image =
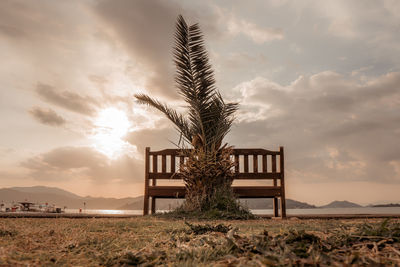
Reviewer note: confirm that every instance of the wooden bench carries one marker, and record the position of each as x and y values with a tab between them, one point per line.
250	164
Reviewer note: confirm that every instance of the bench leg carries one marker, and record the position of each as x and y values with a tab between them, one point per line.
146	206
153	205
283	207
275	204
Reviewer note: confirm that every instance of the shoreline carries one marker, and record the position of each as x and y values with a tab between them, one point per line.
289	217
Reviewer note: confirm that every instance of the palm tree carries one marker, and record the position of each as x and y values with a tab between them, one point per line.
207	173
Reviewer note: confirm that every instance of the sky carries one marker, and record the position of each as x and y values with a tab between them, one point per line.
321	78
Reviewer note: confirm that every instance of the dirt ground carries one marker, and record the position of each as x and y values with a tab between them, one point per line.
149	241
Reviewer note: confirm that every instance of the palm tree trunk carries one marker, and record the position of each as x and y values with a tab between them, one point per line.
208	178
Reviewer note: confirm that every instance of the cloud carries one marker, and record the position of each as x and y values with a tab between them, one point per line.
18	16
67	163
68	100
315	115
145	28
258	34
234	24
240	60
155	138
372	24
149	38
342	28
47	116
30	29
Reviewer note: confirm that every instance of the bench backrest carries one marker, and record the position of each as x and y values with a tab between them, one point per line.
254	163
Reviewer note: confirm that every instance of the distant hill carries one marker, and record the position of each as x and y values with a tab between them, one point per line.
61	198
293	204
341	204
45	190
386	205
8	195
254	203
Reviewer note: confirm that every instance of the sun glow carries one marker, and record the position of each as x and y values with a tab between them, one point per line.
111	126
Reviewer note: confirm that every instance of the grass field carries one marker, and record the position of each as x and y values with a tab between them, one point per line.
155	241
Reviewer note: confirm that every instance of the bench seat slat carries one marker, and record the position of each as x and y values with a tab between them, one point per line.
256	191
169	151
236	151
254	151
240	191
238	176
167	191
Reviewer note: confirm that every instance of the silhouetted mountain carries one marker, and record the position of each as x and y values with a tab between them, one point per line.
45	190
341	204
268	204
8	195
61	198
386	205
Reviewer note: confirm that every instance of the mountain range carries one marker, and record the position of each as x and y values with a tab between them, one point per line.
341	204
61	198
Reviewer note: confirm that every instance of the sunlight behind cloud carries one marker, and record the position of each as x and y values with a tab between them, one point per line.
111	125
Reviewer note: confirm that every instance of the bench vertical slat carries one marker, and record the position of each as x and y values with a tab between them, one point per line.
264	163
164	163
181	161
282	169
153	205
173	163
274	167
246	163
146	182
154	183
275	184
155	163
255	163
236	163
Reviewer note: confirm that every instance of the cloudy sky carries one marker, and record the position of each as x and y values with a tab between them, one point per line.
321	78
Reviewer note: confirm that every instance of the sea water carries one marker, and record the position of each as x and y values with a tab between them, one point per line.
315	211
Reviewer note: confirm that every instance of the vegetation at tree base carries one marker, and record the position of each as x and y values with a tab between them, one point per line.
237	212
208	171
200	229
150	241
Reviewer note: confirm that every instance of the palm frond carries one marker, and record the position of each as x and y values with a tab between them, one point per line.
200	90
204	79
180	122
209	118
219	120
201	68
184	76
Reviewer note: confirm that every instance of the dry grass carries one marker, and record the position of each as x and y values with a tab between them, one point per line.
152	241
